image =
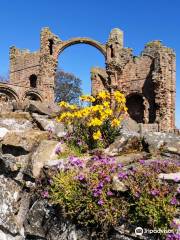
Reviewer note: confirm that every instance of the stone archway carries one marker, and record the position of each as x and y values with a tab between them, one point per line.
135	105
92	43
64	44
51	48
33	96
8	93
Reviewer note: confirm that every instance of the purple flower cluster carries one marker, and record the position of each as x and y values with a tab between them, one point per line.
97	191
100	202
173	236
137	194
80	177
174	201
109	193
122	175
120	165
45	194
175	225
76	162
58	149
176	179
141	161
154	192
103	168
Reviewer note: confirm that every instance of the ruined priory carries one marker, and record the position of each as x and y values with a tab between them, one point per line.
148	80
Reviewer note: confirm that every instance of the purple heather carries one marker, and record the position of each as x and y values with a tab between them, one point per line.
122	175
142	161
80	177
100	202
154	192
45	194
107	179
173	236
174	201
58	149
109	193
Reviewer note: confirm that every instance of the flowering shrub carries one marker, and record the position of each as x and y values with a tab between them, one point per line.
155	201
86	193
95	125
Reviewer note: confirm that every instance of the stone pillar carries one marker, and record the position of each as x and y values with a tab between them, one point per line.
164	80
146	110
48	64
114	44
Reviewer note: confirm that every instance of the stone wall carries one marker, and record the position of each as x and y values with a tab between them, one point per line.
150	76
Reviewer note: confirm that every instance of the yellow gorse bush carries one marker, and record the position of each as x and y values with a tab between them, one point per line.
96	115
97	135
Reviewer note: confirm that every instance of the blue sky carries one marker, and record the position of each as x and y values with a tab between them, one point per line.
141	20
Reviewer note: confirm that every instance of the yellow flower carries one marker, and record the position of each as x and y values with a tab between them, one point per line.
125	108
78	114
115	122
95	122
72	107
103	95
106	104
108	112
63	104
119	97
85	111
97	135
87	98
96	108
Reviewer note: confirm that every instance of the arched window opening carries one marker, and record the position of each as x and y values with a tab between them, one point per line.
4	97
33	81
7	95
33	97
51	43
112	51
135	106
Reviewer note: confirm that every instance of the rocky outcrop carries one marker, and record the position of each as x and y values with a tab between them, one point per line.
46	152
48	124
26	140
29	144
167	144
41	108
127	142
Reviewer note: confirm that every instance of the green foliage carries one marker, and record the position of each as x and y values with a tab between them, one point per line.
152	198
85	192
155	212
67	87
86	197
109	133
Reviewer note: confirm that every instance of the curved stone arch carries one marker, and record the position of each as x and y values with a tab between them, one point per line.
129	94
64	44
10	92
34	94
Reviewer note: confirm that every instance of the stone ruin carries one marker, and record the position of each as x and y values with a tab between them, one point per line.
148	81
29	140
